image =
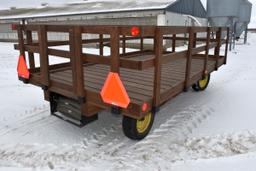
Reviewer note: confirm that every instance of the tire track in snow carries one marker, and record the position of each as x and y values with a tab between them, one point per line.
32	119
36	155
170	139
178	127
180	124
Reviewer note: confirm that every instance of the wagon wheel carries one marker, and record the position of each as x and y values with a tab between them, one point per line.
202	84
138	129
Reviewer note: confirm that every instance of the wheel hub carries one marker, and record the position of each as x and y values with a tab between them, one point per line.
144	123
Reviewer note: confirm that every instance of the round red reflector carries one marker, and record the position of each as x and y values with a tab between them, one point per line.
13	26
144	107
135	31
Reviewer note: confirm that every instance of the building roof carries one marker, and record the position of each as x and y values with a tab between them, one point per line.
190	7
86	7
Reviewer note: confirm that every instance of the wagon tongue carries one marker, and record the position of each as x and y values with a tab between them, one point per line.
22	69
113	91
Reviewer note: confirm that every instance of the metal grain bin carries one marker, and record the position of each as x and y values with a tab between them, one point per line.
245	11
244	17
219	12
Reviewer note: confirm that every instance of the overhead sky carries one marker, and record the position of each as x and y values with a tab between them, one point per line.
34	3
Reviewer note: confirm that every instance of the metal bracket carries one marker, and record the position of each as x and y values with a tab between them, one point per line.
116	110
24	80
81	100
155	109
44	87
53	104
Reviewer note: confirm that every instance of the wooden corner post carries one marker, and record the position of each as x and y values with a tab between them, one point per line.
114	43
208	39
44	58
75	38
158	47
217	48
21	40
31	57
226	47
189	58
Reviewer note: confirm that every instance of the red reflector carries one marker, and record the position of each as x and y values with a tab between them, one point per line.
135	31
144	107
13	26
113	91
22	68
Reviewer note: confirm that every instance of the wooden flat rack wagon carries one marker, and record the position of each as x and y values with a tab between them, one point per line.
134	84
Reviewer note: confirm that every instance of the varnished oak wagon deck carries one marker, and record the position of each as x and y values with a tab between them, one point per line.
139	84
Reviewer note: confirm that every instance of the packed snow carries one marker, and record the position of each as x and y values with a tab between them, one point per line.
210	130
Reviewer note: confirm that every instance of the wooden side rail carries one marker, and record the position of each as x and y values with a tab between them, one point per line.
117	37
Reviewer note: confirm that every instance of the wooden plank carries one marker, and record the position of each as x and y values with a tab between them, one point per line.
44	59
29	27
141	44
226	47
173	56
21	41
145	76
173	30
98	29
217	48
59	53
207	50
123	45
173	43
172	92
142	76
30	55
137	53
212	45
194	42
200	29
94	84
198	49
114	41
101	46
77	61
98	59
189	58
158	58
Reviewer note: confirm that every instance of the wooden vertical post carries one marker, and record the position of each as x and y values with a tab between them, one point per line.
189	58
194	42
226	48
30	55
124	44
158	46
44	59
101	44
141	44
217	48
174	43
21	40
114	43
77	62
208	39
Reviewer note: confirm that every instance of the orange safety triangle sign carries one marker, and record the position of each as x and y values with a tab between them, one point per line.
113	91
22	68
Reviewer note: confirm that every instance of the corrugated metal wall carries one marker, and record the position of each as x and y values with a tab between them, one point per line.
190	7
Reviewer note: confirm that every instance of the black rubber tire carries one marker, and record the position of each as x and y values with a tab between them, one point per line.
130	129
196	86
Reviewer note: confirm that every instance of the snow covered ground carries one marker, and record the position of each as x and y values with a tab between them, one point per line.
210	130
